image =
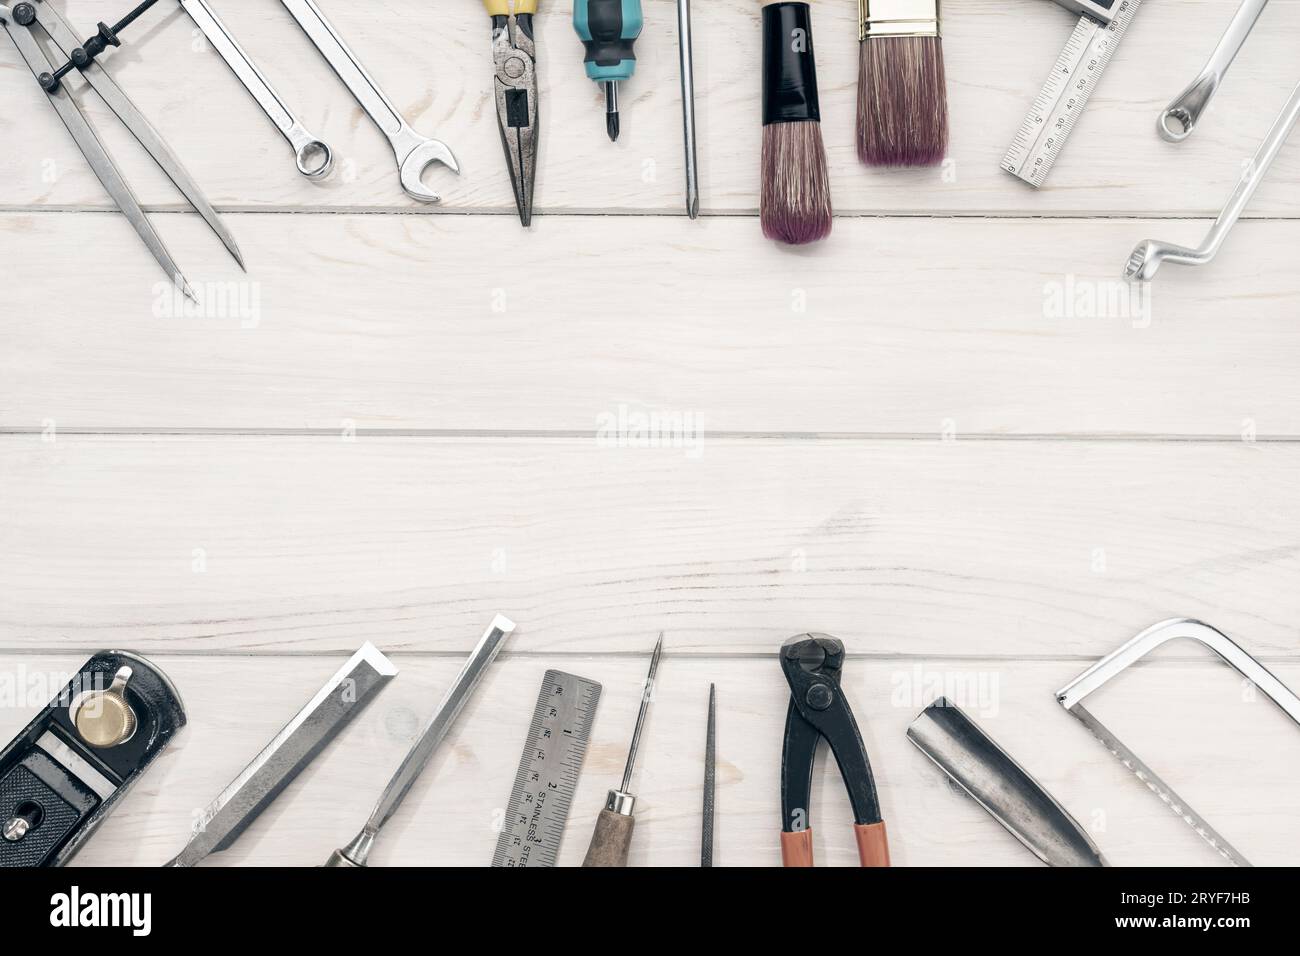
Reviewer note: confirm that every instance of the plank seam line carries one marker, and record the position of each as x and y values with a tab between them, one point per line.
639	655
725	435
503	212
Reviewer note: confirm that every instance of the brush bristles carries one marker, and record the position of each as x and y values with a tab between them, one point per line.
902	102
795	203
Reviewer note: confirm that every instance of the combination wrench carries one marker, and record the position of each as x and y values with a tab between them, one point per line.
1180	117
415	153
315	159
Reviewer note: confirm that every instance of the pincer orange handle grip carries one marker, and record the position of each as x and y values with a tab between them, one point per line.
796	848
873	845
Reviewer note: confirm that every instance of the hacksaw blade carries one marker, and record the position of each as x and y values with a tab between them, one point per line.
1060	102
1156	785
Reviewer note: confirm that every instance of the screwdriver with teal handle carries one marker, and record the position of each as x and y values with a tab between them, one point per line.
608	29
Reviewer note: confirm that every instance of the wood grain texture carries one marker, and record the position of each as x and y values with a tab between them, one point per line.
911	326
1240	776
432	60
921	436
309	545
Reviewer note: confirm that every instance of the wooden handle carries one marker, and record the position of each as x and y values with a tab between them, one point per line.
796	848
611	841
873	846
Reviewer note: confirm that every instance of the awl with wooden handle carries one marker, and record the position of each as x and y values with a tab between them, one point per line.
613	837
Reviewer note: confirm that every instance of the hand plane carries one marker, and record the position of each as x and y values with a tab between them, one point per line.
63	775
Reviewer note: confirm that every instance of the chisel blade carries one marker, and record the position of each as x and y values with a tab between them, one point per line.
1001	786
288	753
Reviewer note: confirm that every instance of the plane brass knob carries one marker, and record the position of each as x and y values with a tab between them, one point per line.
103	718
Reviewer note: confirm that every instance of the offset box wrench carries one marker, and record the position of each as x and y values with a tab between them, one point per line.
315	158
1180	117
1147	257
64	774
415	153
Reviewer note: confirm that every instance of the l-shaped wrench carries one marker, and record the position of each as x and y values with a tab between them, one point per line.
315	159
1146	258
415	153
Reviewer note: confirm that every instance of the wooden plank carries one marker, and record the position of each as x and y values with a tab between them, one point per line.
973	548
903	326
236	704
432	60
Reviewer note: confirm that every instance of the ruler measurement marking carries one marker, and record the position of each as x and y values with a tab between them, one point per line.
1058	105
552	761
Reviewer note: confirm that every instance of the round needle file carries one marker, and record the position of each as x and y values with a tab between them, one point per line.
710	779
613	836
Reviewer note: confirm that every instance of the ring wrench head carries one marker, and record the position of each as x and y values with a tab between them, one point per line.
423	155
315	159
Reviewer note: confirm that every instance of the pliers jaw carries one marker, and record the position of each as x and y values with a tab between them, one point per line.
812	664
514	58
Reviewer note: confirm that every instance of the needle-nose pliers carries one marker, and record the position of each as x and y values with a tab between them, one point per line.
812	664
514	59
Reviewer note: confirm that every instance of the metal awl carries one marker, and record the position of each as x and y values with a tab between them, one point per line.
612	839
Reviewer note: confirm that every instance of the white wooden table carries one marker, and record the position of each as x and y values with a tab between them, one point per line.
403	426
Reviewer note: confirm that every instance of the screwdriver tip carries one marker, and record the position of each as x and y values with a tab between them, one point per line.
611	126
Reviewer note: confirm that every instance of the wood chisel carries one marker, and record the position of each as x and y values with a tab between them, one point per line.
1076	73
68	769
993	779
357	852
613	836
296	745
548	771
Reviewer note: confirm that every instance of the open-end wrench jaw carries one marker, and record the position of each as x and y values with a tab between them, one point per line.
423	154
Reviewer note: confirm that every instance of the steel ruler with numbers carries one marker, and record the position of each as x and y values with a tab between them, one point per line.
1075	75
548	771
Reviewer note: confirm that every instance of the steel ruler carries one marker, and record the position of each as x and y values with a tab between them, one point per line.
1060	102
548	771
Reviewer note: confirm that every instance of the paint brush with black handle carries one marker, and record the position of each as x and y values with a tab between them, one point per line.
795	202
